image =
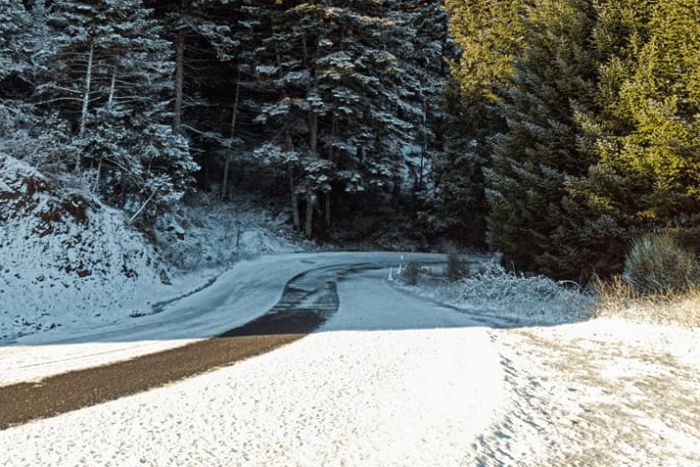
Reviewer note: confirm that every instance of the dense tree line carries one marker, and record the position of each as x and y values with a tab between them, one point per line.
139	94
593	132
554	131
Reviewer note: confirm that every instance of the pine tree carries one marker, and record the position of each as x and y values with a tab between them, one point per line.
487	35
247	34
23	135
533	161
663	100
597	203
191	25
110	73
645	136
15	35
341	101
425	56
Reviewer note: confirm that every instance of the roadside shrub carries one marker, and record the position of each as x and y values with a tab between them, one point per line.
411	273
657	264
457	267
527	300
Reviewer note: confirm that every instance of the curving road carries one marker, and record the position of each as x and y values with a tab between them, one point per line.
384	378
242	294
322	361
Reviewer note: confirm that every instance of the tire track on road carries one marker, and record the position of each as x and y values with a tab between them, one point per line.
307	301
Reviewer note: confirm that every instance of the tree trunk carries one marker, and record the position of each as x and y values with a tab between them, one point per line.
327	208
424	145
295	202
179	79
296	215
86	100
97	176
86	93
328	218
112	88
313	133
313	146
110	102
229	155
309	224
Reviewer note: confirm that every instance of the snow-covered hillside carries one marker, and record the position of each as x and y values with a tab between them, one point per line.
69	260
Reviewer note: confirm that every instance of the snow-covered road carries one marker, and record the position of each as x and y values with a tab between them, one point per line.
245	292
389	380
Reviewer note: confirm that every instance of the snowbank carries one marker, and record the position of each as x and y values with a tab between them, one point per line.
66	259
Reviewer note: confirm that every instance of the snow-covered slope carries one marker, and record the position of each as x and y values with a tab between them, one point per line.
208	233
64	257
67	260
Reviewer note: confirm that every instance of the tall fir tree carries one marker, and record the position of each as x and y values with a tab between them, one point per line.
554	78
192	25
645	135
110	73
487	35
597	203
15	37
343	103
426	58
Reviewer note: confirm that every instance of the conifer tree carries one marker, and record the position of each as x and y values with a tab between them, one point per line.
187	23
110	73
15	35
341	100
644	136
487	35
533	160
596	203
425	55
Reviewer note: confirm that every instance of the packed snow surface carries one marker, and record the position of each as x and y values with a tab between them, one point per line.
393	378
243	293
387	381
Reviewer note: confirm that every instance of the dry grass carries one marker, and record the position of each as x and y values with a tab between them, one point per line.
658	264
617	298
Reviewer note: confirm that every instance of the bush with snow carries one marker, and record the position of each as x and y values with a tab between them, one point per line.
411	273
660	284
524	300
457	268
207	233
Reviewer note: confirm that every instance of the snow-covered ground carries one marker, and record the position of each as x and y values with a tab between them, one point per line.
247	290
384	382
68	261
393	378
598	393
580	391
